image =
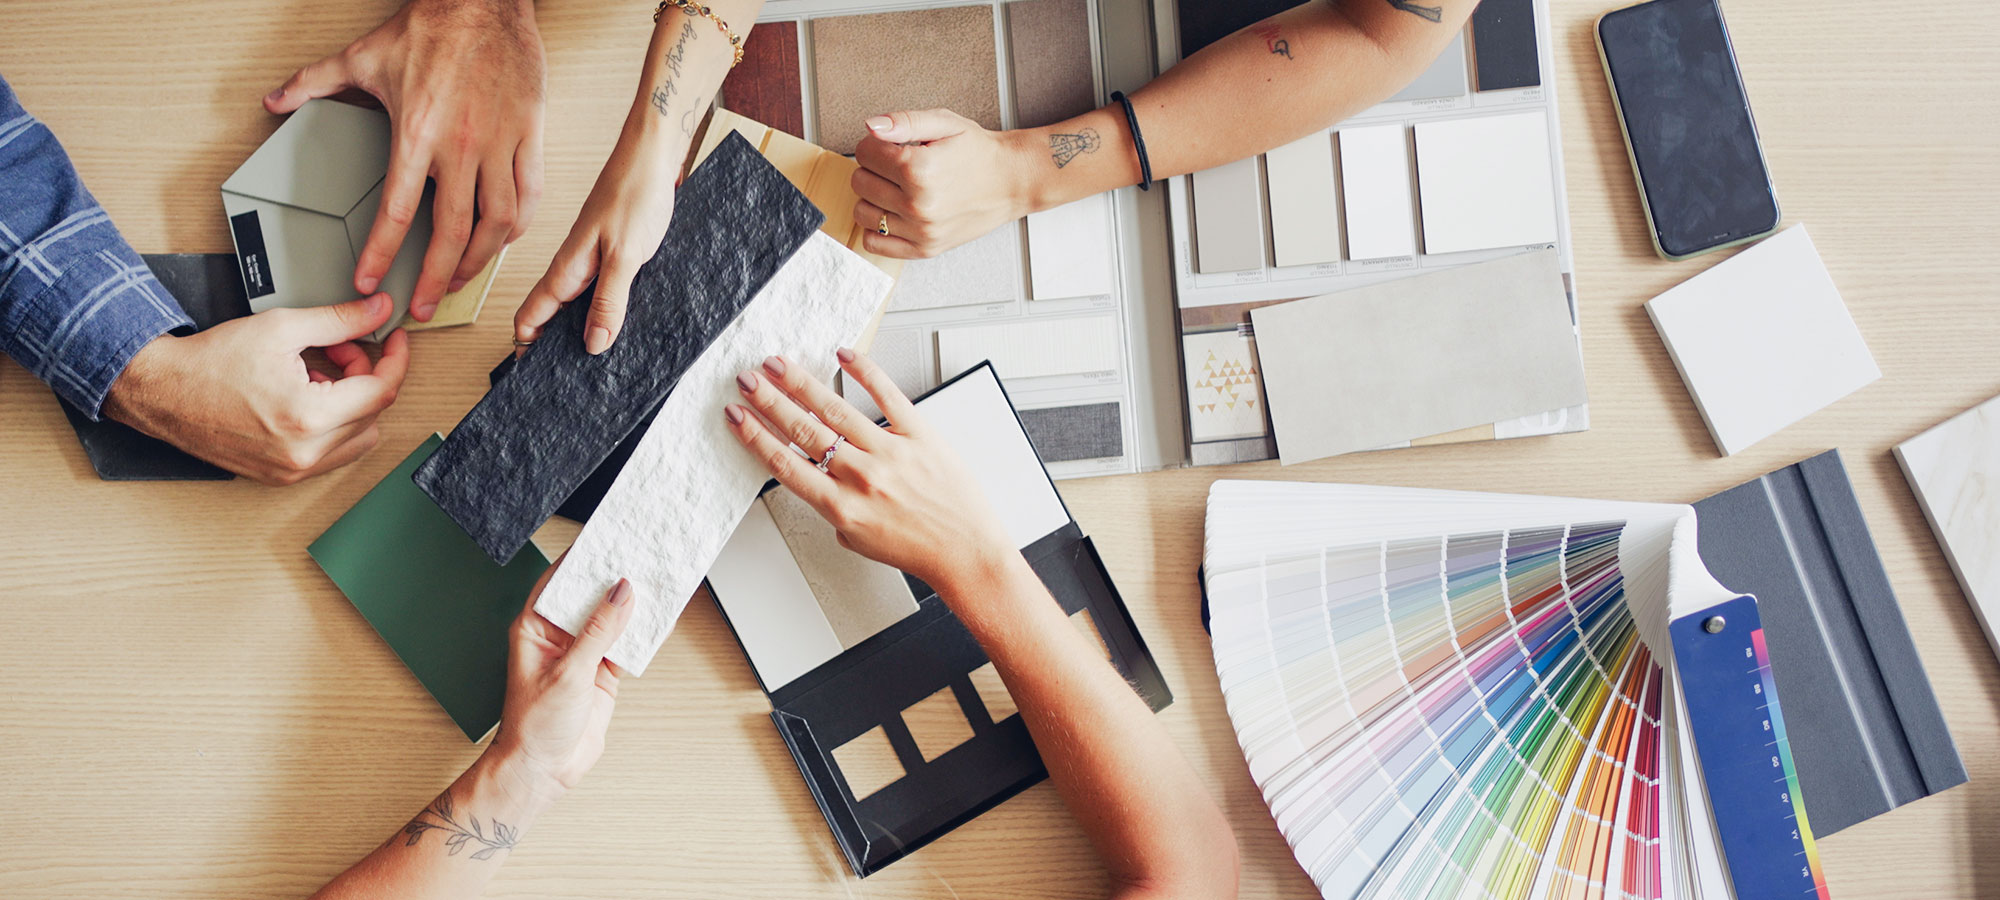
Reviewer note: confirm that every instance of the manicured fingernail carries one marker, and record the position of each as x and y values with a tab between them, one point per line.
424	312
747	382
456	284
880	123
367	283
620	594
733	413
598	340
844	355
775	366
276	94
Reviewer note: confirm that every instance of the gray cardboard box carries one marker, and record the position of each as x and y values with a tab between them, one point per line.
300	209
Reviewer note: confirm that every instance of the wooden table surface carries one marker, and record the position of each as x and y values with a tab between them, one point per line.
189	709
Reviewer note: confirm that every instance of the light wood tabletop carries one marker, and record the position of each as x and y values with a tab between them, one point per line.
189	709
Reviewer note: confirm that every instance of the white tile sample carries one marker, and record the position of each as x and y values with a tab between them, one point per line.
900	352
1305	209
1228	218
1955	470
1069	249
1763	340
679	498
1224	389
1418	356
984	270
1486	182
1032	348
1445	77
770	605
973	416
1375	191
857	595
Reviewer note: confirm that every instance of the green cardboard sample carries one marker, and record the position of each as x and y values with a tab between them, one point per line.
442	605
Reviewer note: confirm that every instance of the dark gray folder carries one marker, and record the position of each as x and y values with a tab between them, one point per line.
1865	728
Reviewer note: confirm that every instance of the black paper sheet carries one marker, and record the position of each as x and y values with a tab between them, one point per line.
1865	727
210	290
539	433
1504	46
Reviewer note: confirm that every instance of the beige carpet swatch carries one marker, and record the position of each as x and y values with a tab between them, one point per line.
914	59
1049	42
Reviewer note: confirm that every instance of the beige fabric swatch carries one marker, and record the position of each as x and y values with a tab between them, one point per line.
1049	45
913	59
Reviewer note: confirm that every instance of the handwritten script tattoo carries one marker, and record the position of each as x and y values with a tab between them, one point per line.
663	96
1433	13
501	837
1065	147
1274	40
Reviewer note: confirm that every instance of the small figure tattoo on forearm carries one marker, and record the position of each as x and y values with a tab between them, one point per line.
501	837
663	96
1066	147
1274	39
1433	13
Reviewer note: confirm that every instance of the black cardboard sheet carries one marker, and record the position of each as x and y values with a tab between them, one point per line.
540	432
1504	45
210	290
1865	727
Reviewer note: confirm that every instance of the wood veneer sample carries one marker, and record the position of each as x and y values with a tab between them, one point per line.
913	59
765	86
1049	41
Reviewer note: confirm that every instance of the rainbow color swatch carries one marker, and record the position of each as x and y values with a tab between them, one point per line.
1439	712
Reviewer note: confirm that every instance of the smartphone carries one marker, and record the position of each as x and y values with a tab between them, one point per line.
1687	124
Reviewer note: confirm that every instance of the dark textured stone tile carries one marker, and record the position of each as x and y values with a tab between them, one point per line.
540	432
583	501
210	290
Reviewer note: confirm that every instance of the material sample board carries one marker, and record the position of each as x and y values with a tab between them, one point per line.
1049	41
1086	431
869	65
540	432
1486	182
1375	187
1503	45
858	595
1069	250
432	594
1033	348
1224	388
1445	77
1955	470
1763	340
1418	356
1305	207
986	269
1229	217
676	502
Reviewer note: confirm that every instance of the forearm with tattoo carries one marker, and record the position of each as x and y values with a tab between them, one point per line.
1433	13
669	89
457	834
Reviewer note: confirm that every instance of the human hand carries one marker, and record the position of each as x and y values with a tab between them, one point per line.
240	396
620	228
898	495
462	81
560	690
941	180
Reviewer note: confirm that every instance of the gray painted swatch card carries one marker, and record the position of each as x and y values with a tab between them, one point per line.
1418	356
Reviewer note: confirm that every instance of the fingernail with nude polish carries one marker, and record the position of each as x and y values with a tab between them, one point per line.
456	284
276	94
598	340
733	413
844	355
620	594
775	366
746	382
880	123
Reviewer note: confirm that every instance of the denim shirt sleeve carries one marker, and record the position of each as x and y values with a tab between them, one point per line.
76	303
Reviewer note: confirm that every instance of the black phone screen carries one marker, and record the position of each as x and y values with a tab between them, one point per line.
1688	120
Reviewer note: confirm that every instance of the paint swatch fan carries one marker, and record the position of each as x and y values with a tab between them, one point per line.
1446	694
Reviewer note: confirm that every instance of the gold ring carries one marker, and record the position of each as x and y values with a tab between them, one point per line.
882	225
521	343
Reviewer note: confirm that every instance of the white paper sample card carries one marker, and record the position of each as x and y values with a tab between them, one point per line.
1069	249
1224	389
1763	340
1375	191
770	606
1228	218
1032	348
973	416
1955	470
1486	182
1305	211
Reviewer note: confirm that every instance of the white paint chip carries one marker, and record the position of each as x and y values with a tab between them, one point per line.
1375	189
1486	182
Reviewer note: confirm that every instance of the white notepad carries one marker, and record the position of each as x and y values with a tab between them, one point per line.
1375	188
1955	470
1486	182
1763	340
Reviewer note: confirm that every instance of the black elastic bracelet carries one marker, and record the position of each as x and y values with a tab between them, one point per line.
1138	141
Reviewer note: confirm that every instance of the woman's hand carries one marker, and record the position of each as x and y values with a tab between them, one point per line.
941	180
560	690
897	495
619	230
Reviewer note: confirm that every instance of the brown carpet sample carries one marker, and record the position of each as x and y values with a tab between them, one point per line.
1049	41
916	59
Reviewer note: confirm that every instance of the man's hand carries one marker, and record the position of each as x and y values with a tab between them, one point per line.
462	81
240	396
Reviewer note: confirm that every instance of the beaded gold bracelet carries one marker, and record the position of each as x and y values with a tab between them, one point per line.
695	9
